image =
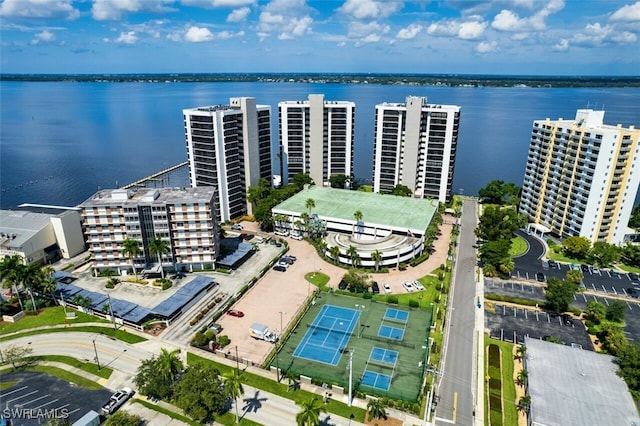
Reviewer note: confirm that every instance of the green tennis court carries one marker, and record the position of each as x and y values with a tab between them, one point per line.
387	343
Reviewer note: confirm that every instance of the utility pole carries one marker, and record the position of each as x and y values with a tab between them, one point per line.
237	360
113	319
96	351
350	375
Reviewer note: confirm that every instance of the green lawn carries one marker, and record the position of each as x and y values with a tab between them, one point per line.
282	389
6	384
519	247
107	331
318	279
508	385
47	317
89	367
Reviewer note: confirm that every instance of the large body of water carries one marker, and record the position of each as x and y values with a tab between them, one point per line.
62	141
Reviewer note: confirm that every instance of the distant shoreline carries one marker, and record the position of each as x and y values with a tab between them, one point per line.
448	80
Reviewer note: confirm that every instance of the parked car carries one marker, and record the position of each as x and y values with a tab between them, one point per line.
287	260
290	256
387	288
282	233
237	227
342	285
595	270
633	276
296	237
614	274
418	285
283	264
574	267
408	286
375	289
242	236
279	268
553	264
216	328
584	268
540	277
633	292
235	313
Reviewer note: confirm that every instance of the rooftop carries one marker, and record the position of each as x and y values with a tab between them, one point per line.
570	386
145	196
404	213
18	226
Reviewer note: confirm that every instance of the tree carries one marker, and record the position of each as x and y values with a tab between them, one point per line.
499	192
630	255
357	281
300	180
310	410
604	254
152	384
122	418
499	223
559	294
357	215
168	364
30	280
401	190
376	409
522	377
634	219
310	204
495	252
317	227
353	254
17	356
11	273
612	337
628	360
576	247
524	403
575	276
376	256
334	252
200	392
233	386
339	181
259	192
521	351
159	247
596	311
131	249
616	311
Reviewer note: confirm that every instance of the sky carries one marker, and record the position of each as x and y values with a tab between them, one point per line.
516	37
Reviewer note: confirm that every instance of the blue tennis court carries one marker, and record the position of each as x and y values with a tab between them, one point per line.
383	356
391	332
376	380
392	314
328	335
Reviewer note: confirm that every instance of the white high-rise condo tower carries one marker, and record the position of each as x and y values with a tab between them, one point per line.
580	178
229	148
316	137
415	146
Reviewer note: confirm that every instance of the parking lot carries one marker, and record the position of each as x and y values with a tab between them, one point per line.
38	396
513	324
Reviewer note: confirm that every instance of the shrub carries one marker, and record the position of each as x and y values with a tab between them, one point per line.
367	295
414	303
109	285
199	339
224	340
402	266
392	299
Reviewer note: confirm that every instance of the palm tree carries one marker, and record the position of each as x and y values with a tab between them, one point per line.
376	409
234	389
334	252
305	220
376	256
523	375
357	215
524	403
310	204
11	274
158	246
521	351
131	249
298	225
169	364
353	254
309	414
30	280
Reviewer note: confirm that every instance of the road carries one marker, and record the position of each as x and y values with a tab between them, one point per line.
455	387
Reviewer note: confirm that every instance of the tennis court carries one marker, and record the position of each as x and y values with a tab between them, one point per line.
337	327
328	335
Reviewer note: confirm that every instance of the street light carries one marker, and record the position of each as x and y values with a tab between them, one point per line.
278	345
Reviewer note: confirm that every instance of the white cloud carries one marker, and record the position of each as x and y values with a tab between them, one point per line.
218	3
595	35
361	30
289	18
239	15
369	9
175	36
523	3
43	37
624	37
520	36
39	9
127	38
630	12
468	30
109	10
507	20
486	47
471	30
198	34
410	32
561	46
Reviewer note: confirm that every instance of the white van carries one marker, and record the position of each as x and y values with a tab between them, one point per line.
259	240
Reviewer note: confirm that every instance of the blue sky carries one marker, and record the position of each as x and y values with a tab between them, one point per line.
532	37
